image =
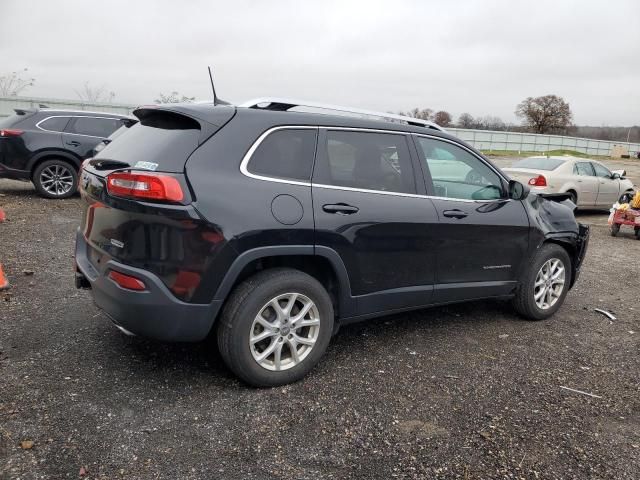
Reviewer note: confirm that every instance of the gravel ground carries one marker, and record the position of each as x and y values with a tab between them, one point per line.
468	391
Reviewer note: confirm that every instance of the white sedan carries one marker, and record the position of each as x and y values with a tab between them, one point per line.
589	183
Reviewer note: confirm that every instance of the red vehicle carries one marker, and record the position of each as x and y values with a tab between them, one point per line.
629	217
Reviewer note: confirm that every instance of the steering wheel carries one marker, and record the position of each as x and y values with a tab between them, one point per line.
474	178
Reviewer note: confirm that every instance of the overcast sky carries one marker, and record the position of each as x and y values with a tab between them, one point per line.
481	57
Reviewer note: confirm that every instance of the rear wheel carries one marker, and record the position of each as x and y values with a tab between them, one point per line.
55	179
615	228
545	285
573	196
275	327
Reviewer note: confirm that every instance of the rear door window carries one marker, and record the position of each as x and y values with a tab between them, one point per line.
584	169
54	124
94	127
365	160
286	154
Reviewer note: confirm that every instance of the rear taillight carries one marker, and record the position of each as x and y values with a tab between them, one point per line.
10	132
539	181
145	186
127	281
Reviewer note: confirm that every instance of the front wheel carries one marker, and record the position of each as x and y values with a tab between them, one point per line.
55	179
545	286
275	327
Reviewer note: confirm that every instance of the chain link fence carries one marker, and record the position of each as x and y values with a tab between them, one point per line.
488	141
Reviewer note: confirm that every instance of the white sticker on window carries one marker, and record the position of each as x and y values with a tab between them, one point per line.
146	165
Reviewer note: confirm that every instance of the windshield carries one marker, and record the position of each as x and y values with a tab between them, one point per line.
539	163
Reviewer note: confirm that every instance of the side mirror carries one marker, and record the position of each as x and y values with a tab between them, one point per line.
517	191
615	176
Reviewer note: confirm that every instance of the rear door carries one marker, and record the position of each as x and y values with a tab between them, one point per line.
483	236
608	188
368	210
82	133
587	183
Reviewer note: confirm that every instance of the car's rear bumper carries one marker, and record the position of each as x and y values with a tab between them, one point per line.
12	173
155	312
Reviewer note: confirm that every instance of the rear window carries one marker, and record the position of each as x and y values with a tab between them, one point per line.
286	154
160	141
365	160
539	163
94	127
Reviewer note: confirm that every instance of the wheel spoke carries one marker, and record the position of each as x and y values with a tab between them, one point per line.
277	356
540	294
264	322
262	335
302	340
302	313
293	348
291	301
307	323
267	351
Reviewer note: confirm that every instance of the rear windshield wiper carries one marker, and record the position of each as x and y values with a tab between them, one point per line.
108	164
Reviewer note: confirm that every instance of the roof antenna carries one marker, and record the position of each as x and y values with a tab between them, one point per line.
216	100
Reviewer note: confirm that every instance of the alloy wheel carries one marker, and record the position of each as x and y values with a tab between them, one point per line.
56	180
549	283
284	331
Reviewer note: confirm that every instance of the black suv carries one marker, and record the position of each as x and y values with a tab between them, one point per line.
271	227
47	146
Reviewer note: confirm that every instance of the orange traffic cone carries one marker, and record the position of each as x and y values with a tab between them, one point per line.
3	217
4	283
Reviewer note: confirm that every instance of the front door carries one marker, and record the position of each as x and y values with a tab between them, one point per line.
367	210
483	237
608	187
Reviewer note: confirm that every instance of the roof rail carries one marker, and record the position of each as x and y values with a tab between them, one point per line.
284	104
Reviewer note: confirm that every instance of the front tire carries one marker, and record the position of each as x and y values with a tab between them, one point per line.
275	327
55	179
546	283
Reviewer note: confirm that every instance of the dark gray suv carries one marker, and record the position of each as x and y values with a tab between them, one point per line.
47	146
270	228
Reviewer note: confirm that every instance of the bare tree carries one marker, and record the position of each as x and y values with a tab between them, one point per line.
442	118
465	120
13	83
92	94
549	113
174	97
422	113
490	123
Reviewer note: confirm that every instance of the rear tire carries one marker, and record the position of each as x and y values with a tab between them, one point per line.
615	228
573	196
546	283
55	178
257	309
